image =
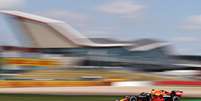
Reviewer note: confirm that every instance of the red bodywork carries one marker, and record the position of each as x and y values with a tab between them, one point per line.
158	95
158	98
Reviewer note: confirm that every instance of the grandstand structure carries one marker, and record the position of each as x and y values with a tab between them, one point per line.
53	43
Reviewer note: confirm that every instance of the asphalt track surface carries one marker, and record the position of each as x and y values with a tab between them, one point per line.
98	90
28	97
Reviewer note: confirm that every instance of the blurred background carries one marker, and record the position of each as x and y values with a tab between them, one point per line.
115	43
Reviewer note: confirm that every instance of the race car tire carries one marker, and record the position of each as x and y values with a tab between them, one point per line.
133	98
175	98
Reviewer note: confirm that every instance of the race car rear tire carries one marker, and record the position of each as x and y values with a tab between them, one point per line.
175	98
133	98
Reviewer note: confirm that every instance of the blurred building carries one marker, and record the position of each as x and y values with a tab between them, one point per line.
58	39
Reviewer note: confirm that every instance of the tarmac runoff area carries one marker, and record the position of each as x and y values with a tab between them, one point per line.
98	90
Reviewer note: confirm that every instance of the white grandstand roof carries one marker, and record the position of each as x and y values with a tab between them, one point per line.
30	16
65	29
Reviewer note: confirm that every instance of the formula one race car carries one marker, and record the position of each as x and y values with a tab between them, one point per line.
155	95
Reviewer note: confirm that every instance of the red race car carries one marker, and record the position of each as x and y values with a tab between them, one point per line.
155	95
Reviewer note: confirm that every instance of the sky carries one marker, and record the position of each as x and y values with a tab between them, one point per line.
175	21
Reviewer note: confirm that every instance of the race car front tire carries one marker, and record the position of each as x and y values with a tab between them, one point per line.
176	98
133	98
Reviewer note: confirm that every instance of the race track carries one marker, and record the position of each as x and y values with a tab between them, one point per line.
98	90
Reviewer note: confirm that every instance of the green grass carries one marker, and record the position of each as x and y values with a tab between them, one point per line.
26	97
21	97
191	99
